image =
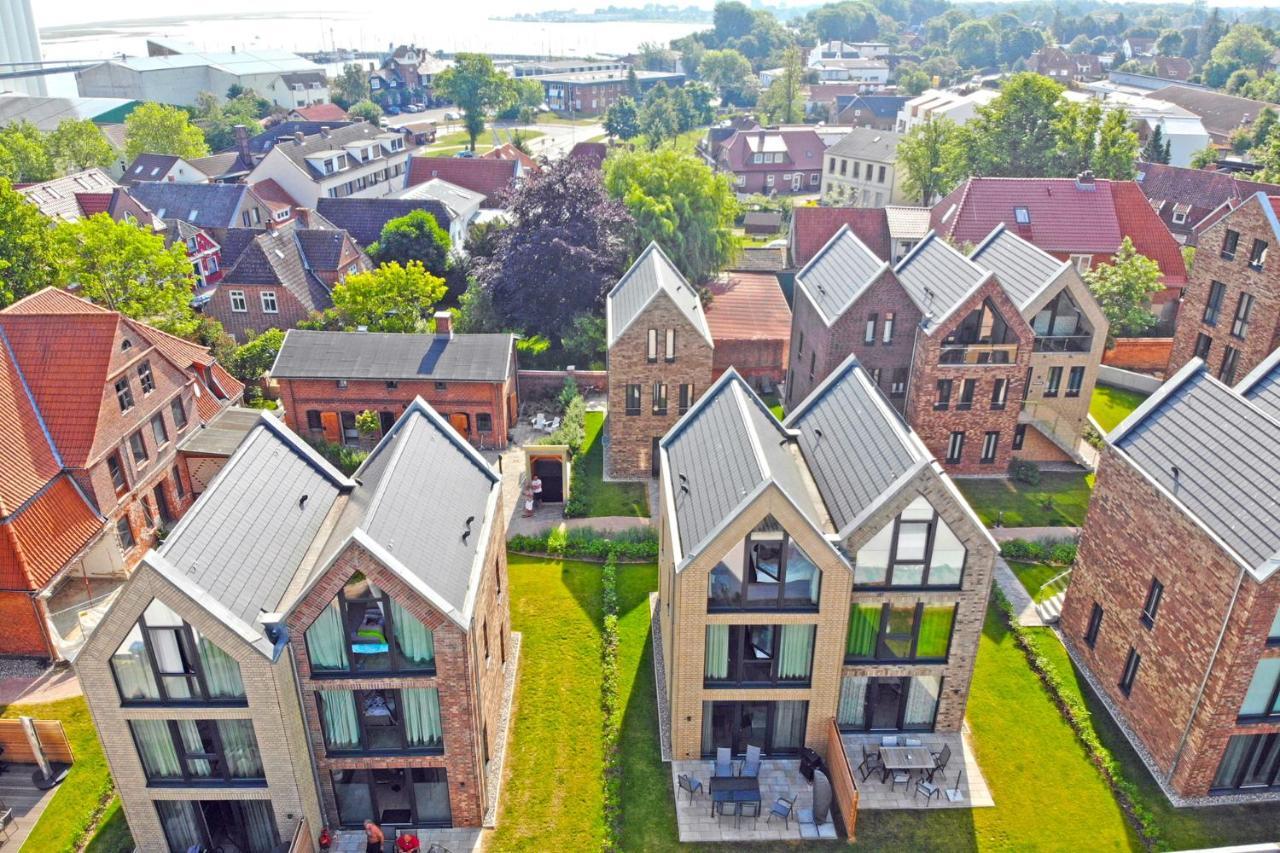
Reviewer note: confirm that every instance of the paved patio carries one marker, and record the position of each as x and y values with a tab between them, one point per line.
453	840
777	778
19	793
962	774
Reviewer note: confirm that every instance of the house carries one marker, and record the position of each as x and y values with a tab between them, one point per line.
989	357
406	76
890	232
202	250
168	168
1065	67
1138	47
253	628
1083	220
47	113
359	160
364	218
508	151
323	112
750	325
658	347
773	161
959	107
1184	198
93	407
205	205
591	93
1173	67
1171	614
1220	113
1230	312
254	148
60	198
869	75
875	111
282	77
489	177
761	223
462	205
325	379
790	603
862	169
836	49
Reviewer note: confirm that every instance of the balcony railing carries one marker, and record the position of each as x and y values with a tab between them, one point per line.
979	354
1063	343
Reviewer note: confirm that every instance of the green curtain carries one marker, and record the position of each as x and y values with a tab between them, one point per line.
341	726
935	631
717	653
326	644
421	716
155	746
192	742
221	672
179	820
864	625
795	653
240	747
416	643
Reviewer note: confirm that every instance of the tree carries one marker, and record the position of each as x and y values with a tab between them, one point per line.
622	119
1019	43
1123	289
1210	34
912	80
1244	46
584	341
658	119
1014	135
1157	148
255	357
1204	158
368	424
783	102
28	261
678	202
700	97
160	129
79	144
932	157
23	155
391	298
973	44
477	88
1076	130
366	109
128	269
416	236
1169	43
350	86
1117	148
218	120
730	73
476	312
848	21
731	20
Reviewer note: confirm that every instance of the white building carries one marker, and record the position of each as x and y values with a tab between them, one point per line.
19	42
836	49
959	107
462	204
861	170
360	160
284	78
1183	129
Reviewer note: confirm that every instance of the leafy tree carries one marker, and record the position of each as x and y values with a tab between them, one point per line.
366	109
849	21
730	73
1157	148
28	260
391	298
161	129
973	44
128	269
1123	289
584	341
23	155
731	20
700	97
1117	148
932	157
1204	158
476	312
783	101
622	119
477	88
1210	34
350	86
218	120
912	80
1079	44
658	119
1169	43
1019	43
416	236
1244	46
679	202
209	333
1076	130
527	95
683	107
655	57
79	144
1014	134
368	423
255	357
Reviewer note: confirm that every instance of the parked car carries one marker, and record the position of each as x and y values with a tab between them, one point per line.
465	154
392	110
452	116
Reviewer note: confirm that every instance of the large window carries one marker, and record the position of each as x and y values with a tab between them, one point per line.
244	825
1060	326
776	727
916	549
1263	697
417	796
770	572
364	630
164	660
198	752
1131	664
1249	761
1240	324
381	720
892	632
1095	623
764	655
1151	606
1213	306
890	704
983	337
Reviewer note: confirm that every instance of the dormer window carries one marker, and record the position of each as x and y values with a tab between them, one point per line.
1022	215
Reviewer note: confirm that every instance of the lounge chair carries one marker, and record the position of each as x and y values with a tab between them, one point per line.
724	762
539	421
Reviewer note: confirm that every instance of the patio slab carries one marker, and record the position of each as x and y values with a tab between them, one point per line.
963	776
778	777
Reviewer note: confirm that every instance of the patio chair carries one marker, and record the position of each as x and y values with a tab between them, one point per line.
6	819
751	766
929	790
552	426
912	741
900	777
688	783
889	740
782	808
724	762
870	763
940	760
539	420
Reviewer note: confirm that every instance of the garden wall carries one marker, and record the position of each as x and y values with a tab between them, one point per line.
547	383
1145	354
1127	380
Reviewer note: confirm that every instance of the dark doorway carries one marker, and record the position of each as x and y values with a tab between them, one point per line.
162	506
884	701
551	472
655	458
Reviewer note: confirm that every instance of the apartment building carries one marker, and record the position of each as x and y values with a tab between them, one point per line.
959	107
820	569
359	160
1172	611
862	170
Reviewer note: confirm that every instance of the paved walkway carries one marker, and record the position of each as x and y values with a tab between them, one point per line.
1017	594
49	685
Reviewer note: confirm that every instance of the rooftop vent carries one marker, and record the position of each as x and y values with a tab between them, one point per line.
1085	181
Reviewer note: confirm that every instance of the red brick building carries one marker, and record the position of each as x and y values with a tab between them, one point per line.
769	161
1172	611
750	328
92	409
326	379
1186	198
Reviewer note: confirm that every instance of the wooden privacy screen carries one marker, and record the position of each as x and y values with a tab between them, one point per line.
52	738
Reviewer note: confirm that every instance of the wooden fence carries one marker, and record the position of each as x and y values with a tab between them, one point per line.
302	840
52	737
843	784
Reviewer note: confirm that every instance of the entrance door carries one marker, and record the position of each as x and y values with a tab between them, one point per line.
797	181
461	421
655	457
884	704
551	473
162	504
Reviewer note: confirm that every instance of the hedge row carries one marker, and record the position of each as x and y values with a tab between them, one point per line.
638	544
610	704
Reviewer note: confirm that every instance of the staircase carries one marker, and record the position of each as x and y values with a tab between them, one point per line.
1050	596
1074	446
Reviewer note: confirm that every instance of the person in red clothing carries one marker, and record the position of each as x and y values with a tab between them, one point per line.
408	843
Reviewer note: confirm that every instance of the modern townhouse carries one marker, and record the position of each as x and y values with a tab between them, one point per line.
1172	609
816	571
1230	312
308	649
659	355
959	107
360	160
989	357
862	170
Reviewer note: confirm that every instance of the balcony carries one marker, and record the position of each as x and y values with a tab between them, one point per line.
979	354
1063	343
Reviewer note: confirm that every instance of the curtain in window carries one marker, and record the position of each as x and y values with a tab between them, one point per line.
193	743
922	700
853	702
133	670
240	748
717	654
415	640
341	726
326	644
935	630
795	651
181	826
788	725
421	716
947	562
221	672
864	625
1257	701
259	826
155	748
708	731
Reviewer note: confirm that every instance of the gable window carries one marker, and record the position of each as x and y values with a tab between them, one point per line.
1060	326
982	337
124	394
1262	699
887	336
1075	380
652	352
238	303
671	345
138	446
1095	624
1258	255
1227	373
944	395
269	304
164	660
1230	242
870	337
967	389
1203	344
1152	605
364	630
633	399
1213	308
990	443
898	383
1180	214
1240	325
916	549
686	397
145	379
381	721
1019	436
758	655
897	632
158	431
1054	384
117	473
769	572
955	447
198	752
659	398
999	394
1130	672
179	413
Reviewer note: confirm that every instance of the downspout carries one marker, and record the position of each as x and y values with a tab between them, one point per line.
311	755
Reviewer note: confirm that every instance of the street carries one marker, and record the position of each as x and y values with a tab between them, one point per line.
556	139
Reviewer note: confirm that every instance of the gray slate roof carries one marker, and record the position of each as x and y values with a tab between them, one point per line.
206	205
839	273
1022	269
261	143
361	131
222	435
868	144
386	355
651	274
1227	452
938	277
1262	386
363	218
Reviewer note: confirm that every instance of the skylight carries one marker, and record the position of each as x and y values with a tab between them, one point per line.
1022	215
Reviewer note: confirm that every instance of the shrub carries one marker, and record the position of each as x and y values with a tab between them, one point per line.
1022	549
1025	471
1059	551
569	393
576	507
1062	553
573	429
609	703
635	544
556	540
1092	437
345	459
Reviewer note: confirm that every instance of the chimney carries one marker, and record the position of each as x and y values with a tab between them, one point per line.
444	324
1084	181
242	143
324	131
298	137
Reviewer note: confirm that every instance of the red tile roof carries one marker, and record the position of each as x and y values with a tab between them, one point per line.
321	112
747	306
812	227
1140	223
39	539
803	148
91	203
489	177
29	458
273	194
507	151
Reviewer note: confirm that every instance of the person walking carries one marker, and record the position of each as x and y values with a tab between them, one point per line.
374	839
536	484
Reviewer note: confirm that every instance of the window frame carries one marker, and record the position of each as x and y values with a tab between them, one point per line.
1053	382
1151	606
632	392
1230	245
1240	322
1204	345
217	758
115	469
999	394
1019	437
146	379
968	389
738	659
670	344
179	413
869	333
365	740
886	336
1227	370
266	296
1130	672
141	456
651	347
955	447
783	539
124	394
393	656
237	298
1075	381
1258	254
159	431
883	635
925	562
1095	625
659	399
189	643
1213	303
685	399
943	399
990	447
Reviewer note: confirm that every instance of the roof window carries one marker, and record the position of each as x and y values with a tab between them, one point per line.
1022	215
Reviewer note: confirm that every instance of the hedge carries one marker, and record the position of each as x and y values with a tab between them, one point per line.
637	544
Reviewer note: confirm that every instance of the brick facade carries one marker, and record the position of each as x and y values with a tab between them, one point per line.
290	312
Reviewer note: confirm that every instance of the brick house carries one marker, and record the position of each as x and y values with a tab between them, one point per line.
1186	198
1230	313
771	631
592	92
658	356
988	357
326	379
750	326
769	161
1065	67
92	408
1172	609
341	657
891	232
203	252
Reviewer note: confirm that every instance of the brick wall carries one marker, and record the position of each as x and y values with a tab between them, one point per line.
757	361
1144	354
758	182
547	383
239	323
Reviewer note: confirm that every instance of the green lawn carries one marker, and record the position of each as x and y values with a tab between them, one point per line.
775	406
1109	406
604	499
112	834
1179	828
1035	575
451	143
1059	501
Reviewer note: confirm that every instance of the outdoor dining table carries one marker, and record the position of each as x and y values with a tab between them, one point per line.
906	758
734	789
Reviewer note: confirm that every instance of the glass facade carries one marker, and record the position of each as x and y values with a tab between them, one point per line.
917	549
163	660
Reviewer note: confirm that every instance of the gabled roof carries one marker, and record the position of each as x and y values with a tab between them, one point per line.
748	306
813	227
392	356
488	177
223	165
364	218
1022	270
802	146
261	143
938	278
868	143
56	198
651	274
1201	189
320	112
285	256
273	195
458	201
1221	113
149	167
759	259
205	205
507	151
882	106
839	274
331	140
